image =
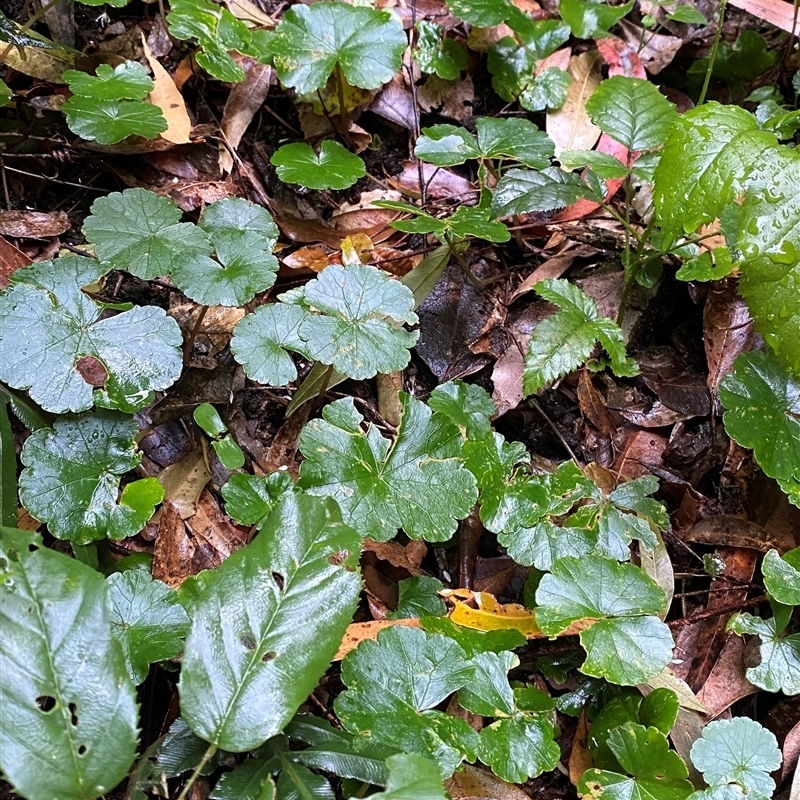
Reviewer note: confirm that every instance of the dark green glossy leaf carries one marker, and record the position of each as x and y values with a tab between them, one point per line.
72	475
438	54
632	111
333	168
419	598
589	19
182	750
128	81
473	641
147	619
523	191
417	484
602	164
710	265
69	708
412	777
208	418
446	145
547	90
110	121
250	780
513	138
386	702
277	610
519	747
250	499
311	41
468	406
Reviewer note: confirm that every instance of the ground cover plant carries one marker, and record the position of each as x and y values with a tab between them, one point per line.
399	400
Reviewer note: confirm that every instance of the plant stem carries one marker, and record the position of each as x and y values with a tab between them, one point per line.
713	54
189	344
207	756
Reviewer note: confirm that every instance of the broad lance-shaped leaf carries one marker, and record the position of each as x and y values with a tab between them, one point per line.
141	232
333	168
69	708
148	620
632	111
626	645
417	484
762	402
654	771
412	777
266	624
779	668
739	751
385	700
366	44
349	317
704	165
47	325
768	238
522	191
564	341
72	475
782	576
588	19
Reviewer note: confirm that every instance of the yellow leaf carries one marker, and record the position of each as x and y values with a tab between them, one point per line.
490	615
167	97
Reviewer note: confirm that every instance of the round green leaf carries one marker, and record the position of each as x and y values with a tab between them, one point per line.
47	325
437	54
110	121
417	484
520	747
762	402
470	407
249	499
72	475
782	576
208	418
333	168
127	81
266	624
412	777
737	750
147	620
446	145
141	232
69	707
310	41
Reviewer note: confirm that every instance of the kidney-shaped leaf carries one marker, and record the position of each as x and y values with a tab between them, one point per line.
266	624
72	475
310	41
417	484
333	168
386	701
69	708
147	618
47	325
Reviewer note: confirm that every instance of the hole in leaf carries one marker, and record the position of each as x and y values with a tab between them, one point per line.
32	548
81	749
73	711
278	578
248	642
268	656
46	703
92	371
338	557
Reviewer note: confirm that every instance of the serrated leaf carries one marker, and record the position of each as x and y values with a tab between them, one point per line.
602	164
72	475
522	191
438	54
340	758
412	777
250	499
654	771
147	620
489	693
418	597
728	791
311	41
333	168
704	165
386	702
519	747
512	67
299	783
47	324
513	138
739	751
779	668
277	609
141	232
69	708
242	235
590	19
548	89
110	121
417	484
632	112
468	406
564	341
624	646
446	145
782	576
181	750
250	780
261	339
762	402
474	641
710	265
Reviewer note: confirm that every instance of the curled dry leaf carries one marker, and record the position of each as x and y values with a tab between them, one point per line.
168	98
11	258
440	183
33	224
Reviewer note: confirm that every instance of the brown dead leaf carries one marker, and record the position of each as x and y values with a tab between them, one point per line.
791	753
658	50
243	102
439	183
33	224
580	759
727	682
730	531
312	258
183	483
395	103
168	98
453	99
593	407
471	783
570	127
358	632
250	12
11	258
46	65
640	450
395	554
621	57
